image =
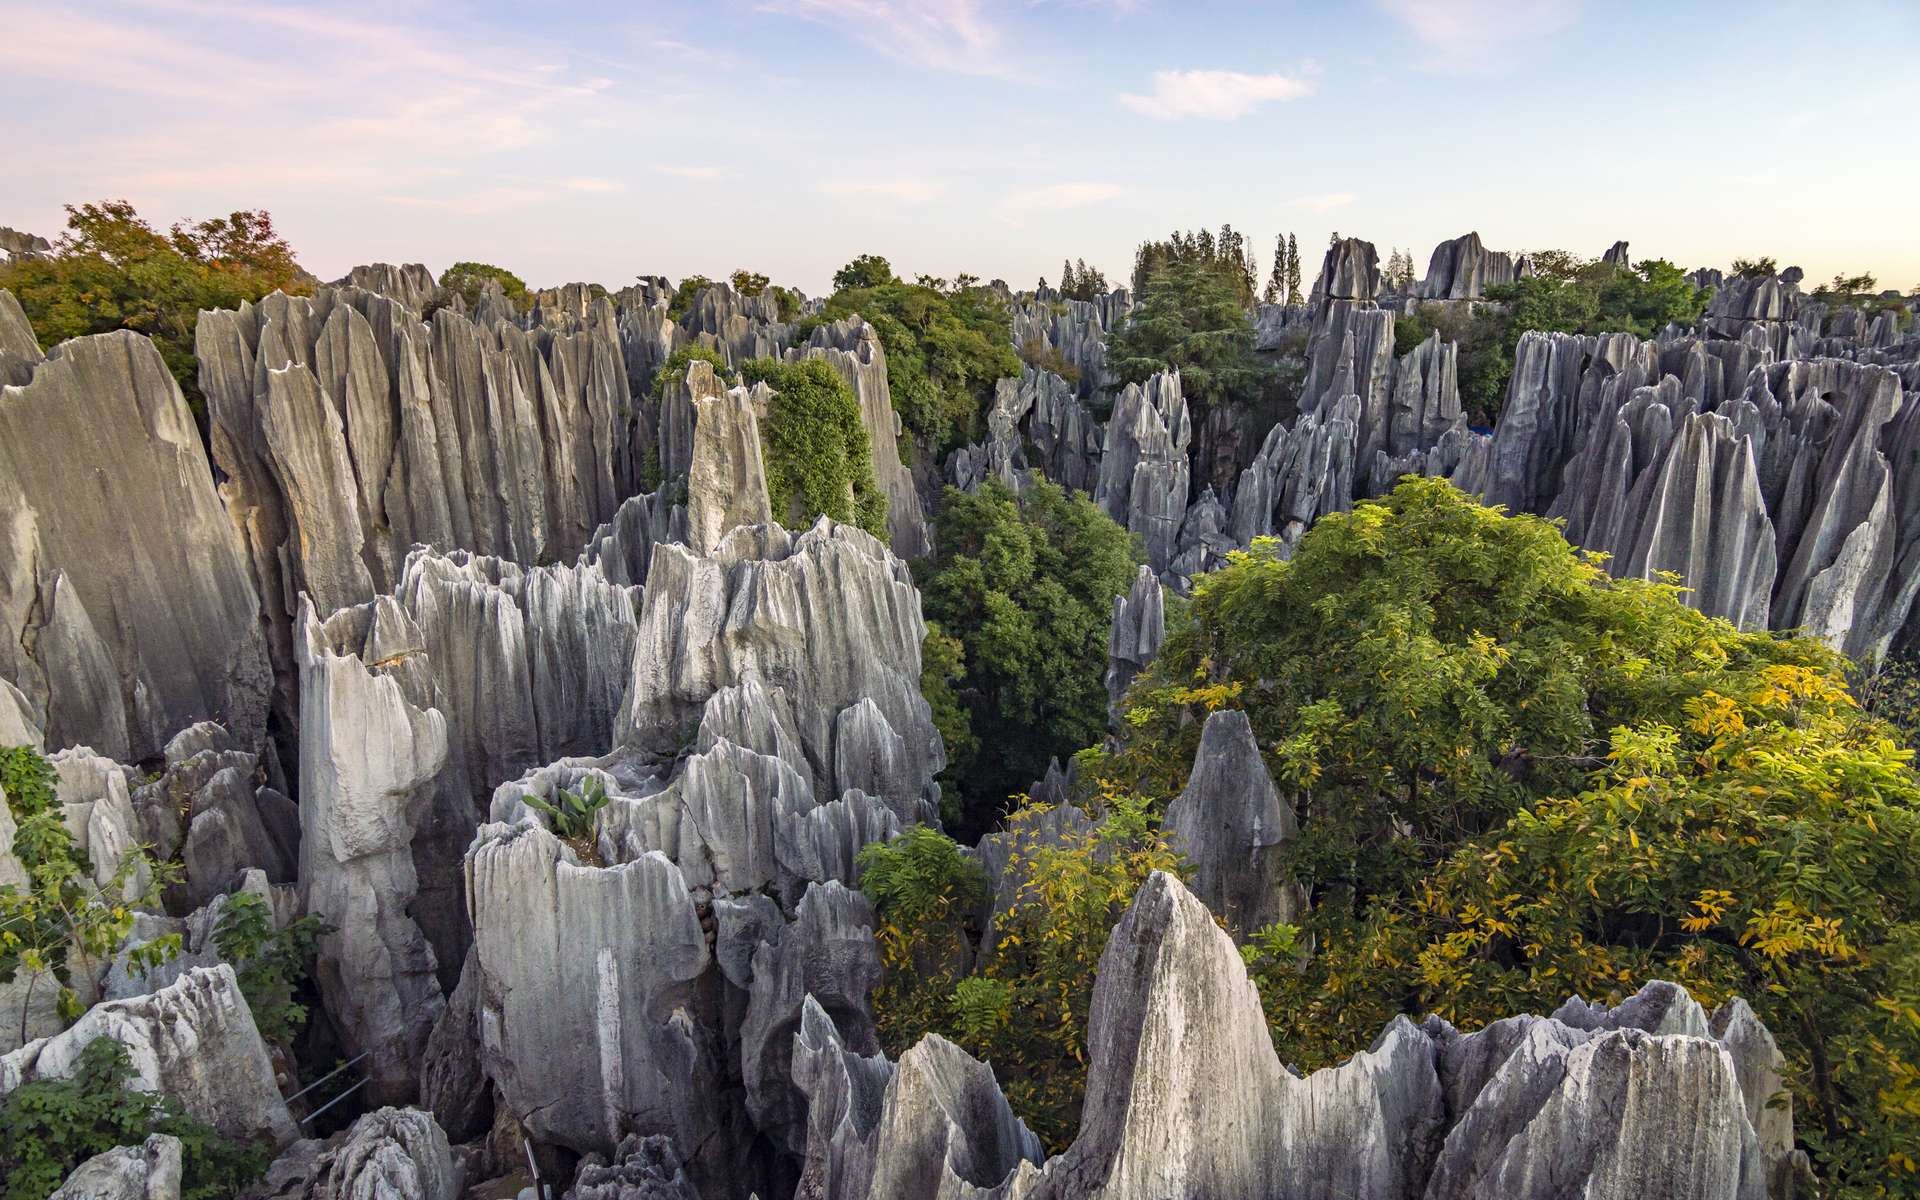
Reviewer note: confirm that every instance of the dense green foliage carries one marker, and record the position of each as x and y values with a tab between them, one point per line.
270	964
112	270
1191	318
681	302
1024	1006
1078	281
1227	256
1520	779
50	1126
64	919
674	369
818	457
946	345
1283	285
924	889
1026	584
467	279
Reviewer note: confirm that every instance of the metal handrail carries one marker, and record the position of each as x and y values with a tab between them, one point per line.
329	1075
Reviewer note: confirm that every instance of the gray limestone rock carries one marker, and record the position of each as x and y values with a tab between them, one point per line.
1139	627
194	1040
726	480
643	1168
1144	470
369	760
149	1171
126	611
585	981
750	610
1463	269
1350	270
1232	824
389	1154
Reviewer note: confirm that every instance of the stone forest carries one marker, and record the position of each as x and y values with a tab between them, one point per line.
1352	733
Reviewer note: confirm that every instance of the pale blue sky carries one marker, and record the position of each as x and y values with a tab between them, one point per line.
599	141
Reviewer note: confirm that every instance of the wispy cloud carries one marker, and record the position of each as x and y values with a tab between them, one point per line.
1213	95
906	191
1016	206
586	183
1325	202
685	171
1463	33
946	35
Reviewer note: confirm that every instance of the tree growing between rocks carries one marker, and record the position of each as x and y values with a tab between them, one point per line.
818	458
469	279
1190	318
1024	584
1518	778
946	345
112	270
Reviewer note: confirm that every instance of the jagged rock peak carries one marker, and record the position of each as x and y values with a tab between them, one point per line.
1350	270
1463	269
126	607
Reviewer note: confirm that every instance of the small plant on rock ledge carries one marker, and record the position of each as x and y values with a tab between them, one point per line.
571	813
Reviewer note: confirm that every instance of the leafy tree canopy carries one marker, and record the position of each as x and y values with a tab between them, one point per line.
1227	256
1025	584
112	270
946	344
467	279
1191	318
1520	779
818	457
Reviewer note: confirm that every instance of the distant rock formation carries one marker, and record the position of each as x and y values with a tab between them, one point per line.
1463	269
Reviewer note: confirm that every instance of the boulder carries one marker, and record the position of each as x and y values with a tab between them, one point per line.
193	1040
149	1171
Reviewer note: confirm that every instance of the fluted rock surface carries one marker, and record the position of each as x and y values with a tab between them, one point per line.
726	478
1463	268
126	610
755	608
1144	469
193	1040
1075	331
349	429
1185	1097
1134	639
1233	825
370	758
1350	270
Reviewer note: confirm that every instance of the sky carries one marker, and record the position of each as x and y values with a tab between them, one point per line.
600	141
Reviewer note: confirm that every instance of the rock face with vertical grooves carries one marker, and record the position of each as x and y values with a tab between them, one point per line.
1185	1097
126	610
349	429
1463	269
1139	627
1233	825
1144	469
753	609
726	479
193	1040
585	976
370	756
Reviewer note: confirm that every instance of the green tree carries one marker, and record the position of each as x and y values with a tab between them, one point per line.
270	963
1755	268
112	270
946	345
866	271
818	457
50	1126
681	302
63	919
1520	779
1026	583
1190	318
1081	282
1024	1008
467	279
1293	271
